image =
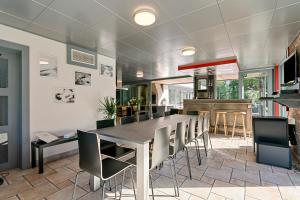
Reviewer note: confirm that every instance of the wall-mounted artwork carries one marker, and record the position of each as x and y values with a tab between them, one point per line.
83	78
48	66
106	70
64	95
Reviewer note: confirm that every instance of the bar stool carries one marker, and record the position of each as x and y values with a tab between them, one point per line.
242	114
222	113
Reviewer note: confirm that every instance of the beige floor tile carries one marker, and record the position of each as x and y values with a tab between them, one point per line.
281	179
196	188
66	193
234	164
64	184
228	190
252	177
196	173
12	198
213	196
38	192
35	179
61	175
262	192
208	180
289	193
222	173
166	184
237	182
15	188
59	163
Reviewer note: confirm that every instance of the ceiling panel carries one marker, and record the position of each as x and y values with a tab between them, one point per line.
236	9
250	41
283	3
126	9
25	9
90	12
286	15
201	19
11	20
250	25
165	31
210	34
180	8
215	45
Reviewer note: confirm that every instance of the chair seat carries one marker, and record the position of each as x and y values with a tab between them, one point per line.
116	151
111	167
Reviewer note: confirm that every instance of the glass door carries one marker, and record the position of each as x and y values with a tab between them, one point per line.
9	107
255	85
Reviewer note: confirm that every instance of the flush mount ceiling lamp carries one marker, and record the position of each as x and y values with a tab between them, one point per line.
140	74
188	51
144	17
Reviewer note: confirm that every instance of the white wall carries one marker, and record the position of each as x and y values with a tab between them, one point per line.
45	114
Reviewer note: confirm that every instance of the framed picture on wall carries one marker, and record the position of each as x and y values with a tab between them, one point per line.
64	95
106	70
82	78
48	66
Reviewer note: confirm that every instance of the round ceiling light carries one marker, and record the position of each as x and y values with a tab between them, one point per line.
144	17
140	74
188	51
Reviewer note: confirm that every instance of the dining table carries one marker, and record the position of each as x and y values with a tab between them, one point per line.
139	135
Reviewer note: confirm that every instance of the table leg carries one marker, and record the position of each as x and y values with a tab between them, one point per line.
142	171
41	160
95	183
33	157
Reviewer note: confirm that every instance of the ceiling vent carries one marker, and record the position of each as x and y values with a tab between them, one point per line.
81	57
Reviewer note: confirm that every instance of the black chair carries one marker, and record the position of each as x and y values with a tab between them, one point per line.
143	117
192	112
127	119
167	113
111	149
90	161
156	115
174	111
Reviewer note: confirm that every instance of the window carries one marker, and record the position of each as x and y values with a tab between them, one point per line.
179	92
228	89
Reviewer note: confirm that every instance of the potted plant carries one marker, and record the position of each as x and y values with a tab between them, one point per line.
108	107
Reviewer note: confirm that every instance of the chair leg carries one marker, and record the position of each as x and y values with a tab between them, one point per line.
151	185
174	179
204	143
133	187
115	179
197	151
188	162
103	190
175	176
123	178
209	140
76	178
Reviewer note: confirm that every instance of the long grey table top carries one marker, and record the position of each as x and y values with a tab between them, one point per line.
141	132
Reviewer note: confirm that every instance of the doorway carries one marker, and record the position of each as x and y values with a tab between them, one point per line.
9	108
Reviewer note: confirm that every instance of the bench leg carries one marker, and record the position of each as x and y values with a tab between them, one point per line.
41	161
33	157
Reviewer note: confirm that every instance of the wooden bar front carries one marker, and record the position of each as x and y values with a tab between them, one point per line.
214	105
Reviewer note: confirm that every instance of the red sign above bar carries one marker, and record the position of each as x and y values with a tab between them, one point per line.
222	61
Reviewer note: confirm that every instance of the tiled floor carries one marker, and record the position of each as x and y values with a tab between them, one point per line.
229	172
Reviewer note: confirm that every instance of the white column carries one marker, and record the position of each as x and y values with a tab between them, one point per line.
94	183
142	171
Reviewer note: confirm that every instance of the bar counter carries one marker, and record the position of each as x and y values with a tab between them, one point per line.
230	106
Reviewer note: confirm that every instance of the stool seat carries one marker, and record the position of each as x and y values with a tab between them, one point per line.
239	113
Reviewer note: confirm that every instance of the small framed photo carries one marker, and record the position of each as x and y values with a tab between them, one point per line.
106	70
48	66
83	78
64	95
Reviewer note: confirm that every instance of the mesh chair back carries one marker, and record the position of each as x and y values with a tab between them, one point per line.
156	115
192	112
161	144
105	123
89	153
191	131
167	113
180	137
127	119
143	117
